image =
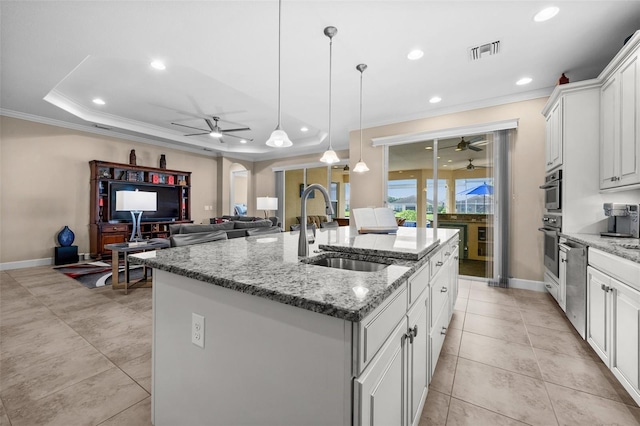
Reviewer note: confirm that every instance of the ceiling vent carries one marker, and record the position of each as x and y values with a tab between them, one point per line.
479	52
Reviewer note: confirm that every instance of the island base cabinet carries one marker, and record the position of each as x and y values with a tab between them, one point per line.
380	393
263	362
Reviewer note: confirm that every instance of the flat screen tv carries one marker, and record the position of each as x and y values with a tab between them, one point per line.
168	202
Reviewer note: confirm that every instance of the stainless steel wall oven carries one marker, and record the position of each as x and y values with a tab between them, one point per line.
553	191
551	227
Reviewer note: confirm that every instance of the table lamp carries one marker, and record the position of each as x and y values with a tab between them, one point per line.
136	202
267	204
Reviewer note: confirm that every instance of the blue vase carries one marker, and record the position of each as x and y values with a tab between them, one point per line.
66	237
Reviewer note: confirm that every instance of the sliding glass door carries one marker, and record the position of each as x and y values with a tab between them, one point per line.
457	193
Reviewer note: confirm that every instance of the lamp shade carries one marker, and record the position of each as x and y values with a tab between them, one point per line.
136	201
267	203
279	139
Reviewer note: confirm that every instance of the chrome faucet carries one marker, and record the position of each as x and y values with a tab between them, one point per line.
303	242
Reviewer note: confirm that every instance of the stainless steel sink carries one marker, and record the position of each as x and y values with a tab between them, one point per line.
349	264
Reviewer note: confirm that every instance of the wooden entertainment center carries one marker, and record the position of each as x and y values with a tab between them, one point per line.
108	226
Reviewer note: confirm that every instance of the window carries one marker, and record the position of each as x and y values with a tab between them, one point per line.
443	197
402	198
474	195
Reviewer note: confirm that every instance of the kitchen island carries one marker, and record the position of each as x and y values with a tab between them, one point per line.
278	339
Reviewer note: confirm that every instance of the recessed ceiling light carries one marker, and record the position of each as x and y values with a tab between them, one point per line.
158	65
98	101
304	129
523	81
449	161
435	99
243	141
415	54
438	158
546	14
444	165
429	147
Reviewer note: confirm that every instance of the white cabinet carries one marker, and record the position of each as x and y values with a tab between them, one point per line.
418	358
379	393
554	136
620	120
626	305
599	313
613	316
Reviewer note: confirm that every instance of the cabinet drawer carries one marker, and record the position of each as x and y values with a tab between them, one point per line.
436	261
378	325
418	283
439	294
617	267
114	227
438	333
551	285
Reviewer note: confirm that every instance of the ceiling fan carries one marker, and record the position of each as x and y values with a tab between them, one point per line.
214	130
464	145
472	166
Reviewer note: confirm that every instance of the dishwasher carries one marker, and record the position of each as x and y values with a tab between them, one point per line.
574	257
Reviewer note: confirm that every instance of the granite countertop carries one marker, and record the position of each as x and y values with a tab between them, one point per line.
268	266
610	245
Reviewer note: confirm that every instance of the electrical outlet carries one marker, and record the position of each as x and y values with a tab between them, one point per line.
197	330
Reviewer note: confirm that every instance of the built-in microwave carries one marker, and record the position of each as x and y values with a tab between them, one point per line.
553	191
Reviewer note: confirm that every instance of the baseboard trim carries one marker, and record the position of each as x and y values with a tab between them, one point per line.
26	263
526	284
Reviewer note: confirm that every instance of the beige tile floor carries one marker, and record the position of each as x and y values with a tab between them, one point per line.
75	356
511	358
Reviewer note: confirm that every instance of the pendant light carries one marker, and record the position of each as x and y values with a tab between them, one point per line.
361	166
279	138
330	155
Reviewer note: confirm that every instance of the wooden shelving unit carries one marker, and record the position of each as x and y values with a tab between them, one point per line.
108	227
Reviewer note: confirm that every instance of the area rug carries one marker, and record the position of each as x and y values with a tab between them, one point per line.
98	274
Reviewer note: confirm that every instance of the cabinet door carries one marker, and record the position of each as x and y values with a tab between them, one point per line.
418	358
629	156
380	391
562	289
554	130
626	320
608	133
598	313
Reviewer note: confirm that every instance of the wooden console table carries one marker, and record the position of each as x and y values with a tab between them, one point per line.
125	249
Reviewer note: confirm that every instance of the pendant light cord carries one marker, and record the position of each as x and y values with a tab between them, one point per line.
330	60
361	72
279	59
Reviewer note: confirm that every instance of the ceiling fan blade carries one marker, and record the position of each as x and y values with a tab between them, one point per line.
236	130
197	134
190	127
239	137
474	148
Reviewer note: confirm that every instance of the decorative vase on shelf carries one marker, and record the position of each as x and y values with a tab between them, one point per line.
66	237
163	161
563	79
132	157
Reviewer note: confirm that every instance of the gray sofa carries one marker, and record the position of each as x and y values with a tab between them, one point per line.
230	226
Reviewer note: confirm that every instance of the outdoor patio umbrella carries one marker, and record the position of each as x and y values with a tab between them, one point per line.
483	190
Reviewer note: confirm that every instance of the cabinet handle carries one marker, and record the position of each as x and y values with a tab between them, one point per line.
605	288
411	333
456	258
438	263
443	290
444	330
549	286
447	254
